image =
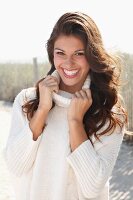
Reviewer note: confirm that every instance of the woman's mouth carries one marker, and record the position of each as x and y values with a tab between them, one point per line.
70	73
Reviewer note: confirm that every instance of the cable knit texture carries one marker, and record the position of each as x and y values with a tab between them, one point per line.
46	169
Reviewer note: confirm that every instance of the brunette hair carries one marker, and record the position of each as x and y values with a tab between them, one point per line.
104	73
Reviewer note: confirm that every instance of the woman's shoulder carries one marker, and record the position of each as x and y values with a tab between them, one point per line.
25	95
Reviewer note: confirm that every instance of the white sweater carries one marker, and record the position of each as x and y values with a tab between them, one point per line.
46	169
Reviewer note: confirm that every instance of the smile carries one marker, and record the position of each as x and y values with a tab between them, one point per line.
70	73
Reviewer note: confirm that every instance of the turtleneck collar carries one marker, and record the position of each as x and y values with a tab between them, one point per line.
63	98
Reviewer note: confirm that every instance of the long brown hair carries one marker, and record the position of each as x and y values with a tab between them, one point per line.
104	73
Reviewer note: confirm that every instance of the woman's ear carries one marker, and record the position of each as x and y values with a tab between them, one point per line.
56	75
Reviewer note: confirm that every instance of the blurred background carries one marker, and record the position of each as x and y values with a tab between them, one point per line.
25	26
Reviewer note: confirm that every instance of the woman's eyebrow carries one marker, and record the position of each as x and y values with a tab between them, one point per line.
74	51
80	50
59	49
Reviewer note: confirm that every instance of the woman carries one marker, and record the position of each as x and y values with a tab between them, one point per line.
66	132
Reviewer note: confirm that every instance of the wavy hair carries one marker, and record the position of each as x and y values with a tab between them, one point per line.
104	72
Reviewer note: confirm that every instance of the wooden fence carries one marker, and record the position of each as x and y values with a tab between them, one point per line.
128	99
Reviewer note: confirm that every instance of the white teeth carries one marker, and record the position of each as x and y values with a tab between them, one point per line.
70	73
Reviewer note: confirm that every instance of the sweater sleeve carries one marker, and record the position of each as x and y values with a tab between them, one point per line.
20	151
93	165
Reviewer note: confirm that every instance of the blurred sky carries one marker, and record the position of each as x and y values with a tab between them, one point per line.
25	25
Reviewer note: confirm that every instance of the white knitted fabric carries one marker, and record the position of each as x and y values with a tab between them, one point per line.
46	169
66	101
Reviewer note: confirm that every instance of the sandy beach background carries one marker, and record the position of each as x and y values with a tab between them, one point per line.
121	182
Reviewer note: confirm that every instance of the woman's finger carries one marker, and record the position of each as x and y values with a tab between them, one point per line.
51	81
49	77
83	94
78	95
88	93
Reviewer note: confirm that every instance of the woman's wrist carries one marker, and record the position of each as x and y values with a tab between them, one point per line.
38	122
77	133
42	110
75	122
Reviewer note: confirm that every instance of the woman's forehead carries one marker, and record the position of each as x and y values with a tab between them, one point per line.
66	42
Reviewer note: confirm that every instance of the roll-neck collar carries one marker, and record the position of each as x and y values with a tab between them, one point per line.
63	98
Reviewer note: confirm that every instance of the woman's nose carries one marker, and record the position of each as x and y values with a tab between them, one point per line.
69	62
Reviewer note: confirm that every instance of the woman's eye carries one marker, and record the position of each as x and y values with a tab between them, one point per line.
79	54
59	53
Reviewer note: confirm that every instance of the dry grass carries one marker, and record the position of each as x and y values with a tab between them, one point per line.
16	76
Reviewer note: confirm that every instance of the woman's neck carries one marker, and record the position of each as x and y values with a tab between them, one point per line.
69	89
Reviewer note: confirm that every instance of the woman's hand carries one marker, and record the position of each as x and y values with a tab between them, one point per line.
46	87
79	105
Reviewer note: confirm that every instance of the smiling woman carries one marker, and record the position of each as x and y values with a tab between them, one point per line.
66	132
70	62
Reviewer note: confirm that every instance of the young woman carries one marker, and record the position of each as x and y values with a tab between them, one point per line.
66	132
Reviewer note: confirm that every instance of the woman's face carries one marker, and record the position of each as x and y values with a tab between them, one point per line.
70	62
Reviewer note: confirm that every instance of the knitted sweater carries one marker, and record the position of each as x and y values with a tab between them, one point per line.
47	169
